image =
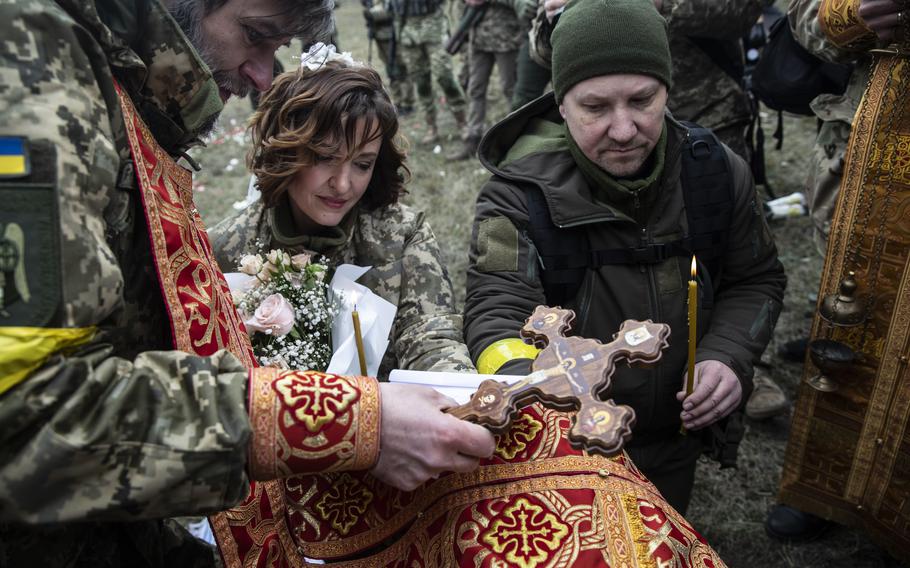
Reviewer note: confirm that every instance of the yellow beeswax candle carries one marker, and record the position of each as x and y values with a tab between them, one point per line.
693	321
358	339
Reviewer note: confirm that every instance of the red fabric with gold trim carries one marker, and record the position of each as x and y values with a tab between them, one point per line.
310	421
197	297
203	321
537	503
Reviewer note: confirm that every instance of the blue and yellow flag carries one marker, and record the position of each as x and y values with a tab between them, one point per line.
13	157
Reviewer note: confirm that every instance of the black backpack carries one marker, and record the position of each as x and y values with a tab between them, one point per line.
787	77
565	253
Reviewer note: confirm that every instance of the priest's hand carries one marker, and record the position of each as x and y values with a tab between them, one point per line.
418	441
884	17
717	393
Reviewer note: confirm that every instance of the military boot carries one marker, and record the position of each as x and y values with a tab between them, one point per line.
467	150
432	134
767	399
460	121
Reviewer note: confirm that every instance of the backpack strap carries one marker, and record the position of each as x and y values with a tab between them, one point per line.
707	183
563	253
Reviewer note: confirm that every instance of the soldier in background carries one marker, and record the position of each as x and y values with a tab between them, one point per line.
380	24
532	77
495	39
705	40
422	29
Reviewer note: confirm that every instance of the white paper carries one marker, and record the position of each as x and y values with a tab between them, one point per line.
239	282
459	386
376	317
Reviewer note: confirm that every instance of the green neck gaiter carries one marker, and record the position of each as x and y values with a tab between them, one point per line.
285	234
619	191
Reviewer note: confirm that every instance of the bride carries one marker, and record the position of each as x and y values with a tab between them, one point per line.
330	170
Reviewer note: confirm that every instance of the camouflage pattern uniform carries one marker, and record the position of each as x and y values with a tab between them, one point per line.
835	113
407	271
103	427
702	91
422	42
495	39
400	85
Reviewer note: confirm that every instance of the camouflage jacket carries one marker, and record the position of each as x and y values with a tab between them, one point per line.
499	30
702	91
407	271
100	420
803	19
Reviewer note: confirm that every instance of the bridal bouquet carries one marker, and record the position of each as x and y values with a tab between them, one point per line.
288	309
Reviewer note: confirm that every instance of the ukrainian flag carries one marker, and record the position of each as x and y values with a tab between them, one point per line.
12	157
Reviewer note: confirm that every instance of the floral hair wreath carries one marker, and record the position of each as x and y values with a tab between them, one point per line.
320	54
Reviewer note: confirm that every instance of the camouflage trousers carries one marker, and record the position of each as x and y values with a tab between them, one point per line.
826	168
422	47
481	70
400	86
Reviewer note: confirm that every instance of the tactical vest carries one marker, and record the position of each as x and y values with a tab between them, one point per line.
565	253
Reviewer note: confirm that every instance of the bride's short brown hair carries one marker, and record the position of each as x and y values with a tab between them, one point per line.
307	114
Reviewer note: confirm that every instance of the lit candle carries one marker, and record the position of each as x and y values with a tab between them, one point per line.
358	339
693	320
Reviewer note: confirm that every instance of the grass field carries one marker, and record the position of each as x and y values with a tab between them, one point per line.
728	506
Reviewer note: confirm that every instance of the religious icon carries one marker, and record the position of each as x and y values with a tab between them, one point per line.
13	281
571	373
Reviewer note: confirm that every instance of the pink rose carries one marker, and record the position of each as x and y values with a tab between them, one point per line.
300	261
274	316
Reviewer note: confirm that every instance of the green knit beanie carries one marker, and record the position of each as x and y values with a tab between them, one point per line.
604	37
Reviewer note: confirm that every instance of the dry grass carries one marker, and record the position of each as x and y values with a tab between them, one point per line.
729	506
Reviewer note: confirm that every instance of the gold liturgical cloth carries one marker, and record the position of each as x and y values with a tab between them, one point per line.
848	457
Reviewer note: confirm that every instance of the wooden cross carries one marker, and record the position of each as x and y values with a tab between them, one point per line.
571	373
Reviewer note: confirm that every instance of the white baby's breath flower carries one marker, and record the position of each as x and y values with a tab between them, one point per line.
237	297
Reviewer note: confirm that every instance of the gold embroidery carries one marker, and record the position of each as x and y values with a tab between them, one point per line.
526	533
637	533
488	481
264	423
516	439
660	537
315	399
187	271
840	22
344	503
369	418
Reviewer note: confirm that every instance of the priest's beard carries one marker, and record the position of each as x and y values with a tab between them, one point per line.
188	14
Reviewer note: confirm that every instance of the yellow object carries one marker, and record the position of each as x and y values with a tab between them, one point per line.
693	328
501	352
24	349
12	165
358	339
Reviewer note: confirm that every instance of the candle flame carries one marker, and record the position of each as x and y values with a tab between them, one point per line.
693	267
